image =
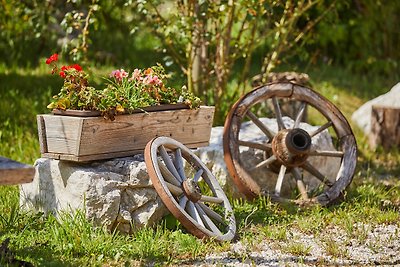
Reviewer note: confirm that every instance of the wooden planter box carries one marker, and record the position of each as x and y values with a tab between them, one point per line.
92	138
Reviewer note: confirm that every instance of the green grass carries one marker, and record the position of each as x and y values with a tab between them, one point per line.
373	197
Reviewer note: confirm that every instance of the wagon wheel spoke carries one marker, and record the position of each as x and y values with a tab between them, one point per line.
207	220
316	173
278	113
326	153
212	214
169	163
184	198
278	185
175	190
210	199
182	201
191	209
178	162
322	128
168	175
300	183
264	147
300	114
197	175
270	134
264	163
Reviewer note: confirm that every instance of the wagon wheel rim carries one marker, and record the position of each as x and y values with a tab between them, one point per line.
346	150
177	176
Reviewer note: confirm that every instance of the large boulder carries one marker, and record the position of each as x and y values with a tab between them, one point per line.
114	193
213	157
362	116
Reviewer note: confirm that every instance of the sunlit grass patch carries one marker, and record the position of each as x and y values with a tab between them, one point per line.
296	248
334	248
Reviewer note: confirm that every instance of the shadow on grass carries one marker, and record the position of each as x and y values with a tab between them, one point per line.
30	256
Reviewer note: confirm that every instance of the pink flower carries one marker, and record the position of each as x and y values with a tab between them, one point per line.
136	75
157	81
119	74
154	80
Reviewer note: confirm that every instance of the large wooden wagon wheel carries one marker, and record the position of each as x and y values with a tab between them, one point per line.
189	190
287	148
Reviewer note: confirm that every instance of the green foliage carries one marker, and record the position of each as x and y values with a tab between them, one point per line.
215	47
84	30
23	30
206	39
361	35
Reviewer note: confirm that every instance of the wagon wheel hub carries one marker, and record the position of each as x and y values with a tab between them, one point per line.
291	146
191	190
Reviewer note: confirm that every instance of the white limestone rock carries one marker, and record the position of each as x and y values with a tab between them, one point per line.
114	193
362	116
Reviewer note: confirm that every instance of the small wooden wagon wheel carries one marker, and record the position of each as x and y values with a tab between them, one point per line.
189	190
288	149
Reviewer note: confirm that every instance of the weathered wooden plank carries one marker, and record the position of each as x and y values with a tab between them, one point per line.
134	131
85	139
61	133
118	154
13	172
42	134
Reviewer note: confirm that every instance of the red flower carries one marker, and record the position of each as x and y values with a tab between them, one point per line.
52	58
77	67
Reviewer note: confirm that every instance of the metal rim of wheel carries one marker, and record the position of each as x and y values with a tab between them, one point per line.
189	190
289	147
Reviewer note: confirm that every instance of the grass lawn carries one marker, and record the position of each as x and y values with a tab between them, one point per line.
373	197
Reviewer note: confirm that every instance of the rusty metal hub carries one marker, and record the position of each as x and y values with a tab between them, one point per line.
191	190
291	146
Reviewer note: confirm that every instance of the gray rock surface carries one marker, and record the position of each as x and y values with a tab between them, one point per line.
114	193
362	116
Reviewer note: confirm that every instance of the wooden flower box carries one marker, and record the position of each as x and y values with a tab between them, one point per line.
76	138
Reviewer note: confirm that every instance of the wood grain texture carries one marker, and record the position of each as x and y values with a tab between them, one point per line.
93	138
42	134
13	172
385	127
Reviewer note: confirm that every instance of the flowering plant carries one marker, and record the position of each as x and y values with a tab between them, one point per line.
123	92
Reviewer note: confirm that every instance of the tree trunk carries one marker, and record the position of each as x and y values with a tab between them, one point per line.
385	127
